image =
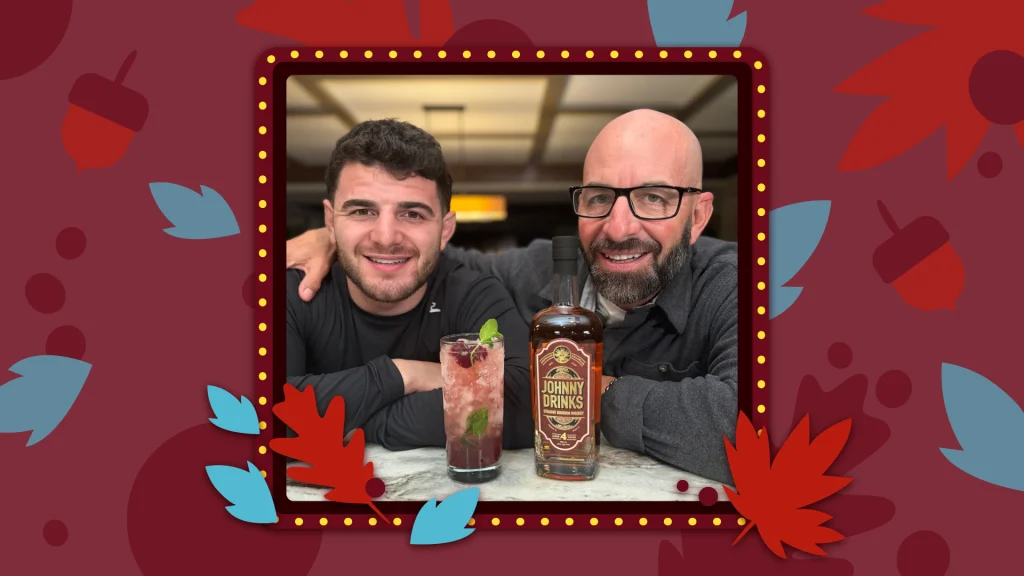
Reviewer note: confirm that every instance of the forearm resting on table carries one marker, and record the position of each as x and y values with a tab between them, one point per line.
680	423
367	389
417	419
419	376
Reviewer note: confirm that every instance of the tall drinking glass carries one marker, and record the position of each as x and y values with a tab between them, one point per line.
473	374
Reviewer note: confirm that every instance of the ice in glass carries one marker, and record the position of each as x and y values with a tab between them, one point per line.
473	373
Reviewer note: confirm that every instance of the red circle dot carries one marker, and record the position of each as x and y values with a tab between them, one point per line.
990	165
840	355
173	507
996	85
70	243
708	496
375	487
55	533
34	30
893	388
682	485
490	32
923	553
66	341
249	291
45	293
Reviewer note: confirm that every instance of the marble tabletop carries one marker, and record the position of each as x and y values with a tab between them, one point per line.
419	475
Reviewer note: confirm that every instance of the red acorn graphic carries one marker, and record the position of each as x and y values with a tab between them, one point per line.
920	263
103	118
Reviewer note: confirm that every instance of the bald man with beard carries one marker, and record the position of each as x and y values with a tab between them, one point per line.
667	296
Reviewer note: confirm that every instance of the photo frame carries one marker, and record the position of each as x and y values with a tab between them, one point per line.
273	69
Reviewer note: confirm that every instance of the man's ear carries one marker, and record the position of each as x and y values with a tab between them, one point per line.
703	207
447	228
329	217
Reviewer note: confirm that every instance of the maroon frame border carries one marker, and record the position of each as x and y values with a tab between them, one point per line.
269	129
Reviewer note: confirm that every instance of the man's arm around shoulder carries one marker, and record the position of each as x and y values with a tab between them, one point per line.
505	265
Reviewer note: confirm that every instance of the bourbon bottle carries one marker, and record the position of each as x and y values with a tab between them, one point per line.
566	345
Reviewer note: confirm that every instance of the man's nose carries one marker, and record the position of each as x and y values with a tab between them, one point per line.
386	230
621	223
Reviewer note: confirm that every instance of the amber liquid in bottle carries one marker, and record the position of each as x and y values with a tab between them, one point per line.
566	347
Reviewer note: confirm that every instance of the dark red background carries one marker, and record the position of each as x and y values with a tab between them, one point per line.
119	486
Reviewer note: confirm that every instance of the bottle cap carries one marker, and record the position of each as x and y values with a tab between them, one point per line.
565	248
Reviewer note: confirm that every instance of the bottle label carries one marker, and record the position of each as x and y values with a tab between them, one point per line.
564	414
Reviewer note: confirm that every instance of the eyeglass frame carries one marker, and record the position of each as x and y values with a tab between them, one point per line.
619	192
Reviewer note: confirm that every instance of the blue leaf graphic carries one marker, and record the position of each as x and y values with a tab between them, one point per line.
42	396
695	23
447	522
989	426
796	230
233	415
195	216
247	491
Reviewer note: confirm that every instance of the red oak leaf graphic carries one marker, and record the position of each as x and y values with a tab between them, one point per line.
320	443
965	73
773	495
349	22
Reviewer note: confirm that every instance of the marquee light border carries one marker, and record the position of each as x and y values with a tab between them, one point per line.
273	68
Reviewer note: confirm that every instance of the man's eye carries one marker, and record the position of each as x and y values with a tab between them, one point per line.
654	198
359	212
414	215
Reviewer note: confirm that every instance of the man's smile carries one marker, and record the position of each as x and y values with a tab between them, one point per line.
387	263
619	260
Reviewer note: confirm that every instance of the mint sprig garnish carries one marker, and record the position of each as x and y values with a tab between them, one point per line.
487	331
476	423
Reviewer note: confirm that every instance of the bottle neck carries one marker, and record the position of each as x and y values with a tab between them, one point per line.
565	290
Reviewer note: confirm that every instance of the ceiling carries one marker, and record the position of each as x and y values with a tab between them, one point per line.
518	133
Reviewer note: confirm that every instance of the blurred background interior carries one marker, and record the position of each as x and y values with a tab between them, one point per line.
514	144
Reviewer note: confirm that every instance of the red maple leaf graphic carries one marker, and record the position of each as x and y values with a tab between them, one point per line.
320	443
929	80
773	495
349	22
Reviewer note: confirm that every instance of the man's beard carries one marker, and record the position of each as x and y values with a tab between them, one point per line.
390	291
630	288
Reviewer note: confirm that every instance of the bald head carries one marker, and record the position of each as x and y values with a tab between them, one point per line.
633	258
645	146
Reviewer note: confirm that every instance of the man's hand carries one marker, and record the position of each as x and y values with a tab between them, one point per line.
419	376
313	253
605	381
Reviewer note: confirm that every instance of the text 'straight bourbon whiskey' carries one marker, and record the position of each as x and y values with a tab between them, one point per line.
566	344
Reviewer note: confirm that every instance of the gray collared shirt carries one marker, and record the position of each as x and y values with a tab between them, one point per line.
675	359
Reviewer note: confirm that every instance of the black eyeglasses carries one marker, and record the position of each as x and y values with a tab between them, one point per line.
646	202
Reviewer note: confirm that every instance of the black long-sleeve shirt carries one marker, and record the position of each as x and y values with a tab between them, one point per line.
342	350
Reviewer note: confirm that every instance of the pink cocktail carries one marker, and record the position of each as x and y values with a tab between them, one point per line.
474	401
